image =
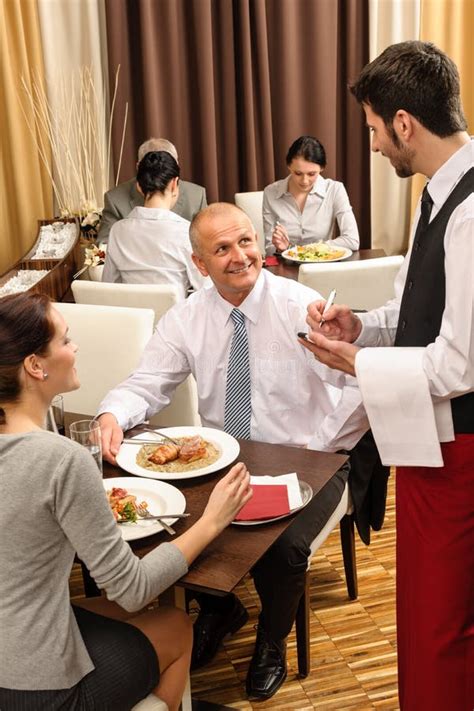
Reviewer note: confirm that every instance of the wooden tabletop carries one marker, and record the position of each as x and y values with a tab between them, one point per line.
229	557
290	270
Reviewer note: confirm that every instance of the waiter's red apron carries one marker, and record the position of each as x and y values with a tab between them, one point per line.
435	581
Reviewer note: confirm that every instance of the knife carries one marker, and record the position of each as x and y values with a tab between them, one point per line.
159	517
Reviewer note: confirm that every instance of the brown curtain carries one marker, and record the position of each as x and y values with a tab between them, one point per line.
233	82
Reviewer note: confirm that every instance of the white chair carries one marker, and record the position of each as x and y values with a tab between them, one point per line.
365	284
183	409
111	341
159	297
251	203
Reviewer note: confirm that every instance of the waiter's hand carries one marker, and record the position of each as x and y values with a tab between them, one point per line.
335	354
112	436
339	322
280	238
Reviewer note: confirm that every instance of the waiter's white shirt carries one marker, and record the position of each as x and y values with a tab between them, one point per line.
151	246
290	402
327	203
449	361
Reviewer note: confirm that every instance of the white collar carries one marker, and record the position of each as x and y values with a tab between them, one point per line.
447	177
319	187
250	306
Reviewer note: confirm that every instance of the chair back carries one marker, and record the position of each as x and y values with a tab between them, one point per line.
183	408
362	285
251	203
111	341
159	297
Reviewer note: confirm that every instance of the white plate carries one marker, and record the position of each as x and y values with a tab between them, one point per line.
160	497
227	445
306	496
347	253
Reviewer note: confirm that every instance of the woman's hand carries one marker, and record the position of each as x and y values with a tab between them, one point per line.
112	436
228	497
280	238
340	324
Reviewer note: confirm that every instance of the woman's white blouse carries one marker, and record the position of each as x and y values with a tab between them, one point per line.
151	246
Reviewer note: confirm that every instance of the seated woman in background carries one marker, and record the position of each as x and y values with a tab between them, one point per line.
151	245
304	207
93	654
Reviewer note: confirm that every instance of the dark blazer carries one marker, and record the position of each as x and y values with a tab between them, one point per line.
368	479
121	200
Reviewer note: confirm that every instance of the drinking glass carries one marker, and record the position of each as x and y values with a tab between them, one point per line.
87	433
57	408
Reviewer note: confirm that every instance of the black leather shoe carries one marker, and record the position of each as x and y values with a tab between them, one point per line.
267	670
210	629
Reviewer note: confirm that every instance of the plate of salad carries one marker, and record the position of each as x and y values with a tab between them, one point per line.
126	493
316	252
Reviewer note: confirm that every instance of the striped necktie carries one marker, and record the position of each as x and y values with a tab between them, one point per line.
238	402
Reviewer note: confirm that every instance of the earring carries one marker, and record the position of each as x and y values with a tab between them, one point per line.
45	376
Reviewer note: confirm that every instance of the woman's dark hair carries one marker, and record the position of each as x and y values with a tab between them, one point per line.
25	328
416	77
155	171
308	148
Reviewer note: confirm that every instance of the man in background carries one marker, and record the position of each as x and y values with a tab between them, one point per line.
120	201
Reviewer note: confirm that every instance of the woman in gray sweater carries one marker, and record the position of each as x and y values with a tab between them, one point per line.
105	653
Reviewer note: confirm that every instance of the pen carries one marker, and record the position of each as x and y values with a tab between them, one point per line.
328	305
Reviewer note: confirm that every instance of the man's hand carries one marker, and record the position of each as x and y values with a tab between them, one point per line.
112	436
340	324
335	354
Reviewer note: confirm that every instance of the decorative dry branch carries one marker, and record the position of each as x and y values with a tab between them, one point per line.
78	131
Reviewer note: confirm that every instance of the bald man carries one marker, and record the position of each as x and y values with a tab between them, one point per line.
286	401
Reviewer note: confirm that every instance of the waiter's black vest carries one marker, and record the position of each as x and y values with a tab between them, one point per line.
424	297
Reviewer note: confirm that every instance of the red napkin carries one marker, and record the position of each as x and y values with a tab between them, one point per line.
268	500
271	261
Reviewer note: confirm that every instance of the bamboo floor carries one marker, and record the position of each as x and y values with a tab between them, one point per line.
353	643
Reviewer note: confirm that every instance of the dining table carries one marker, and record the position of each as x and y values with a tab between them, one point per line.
290	269
226	561
231	556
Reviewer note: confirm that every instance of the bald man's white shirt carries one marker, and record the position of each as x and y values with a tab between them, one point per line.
290	402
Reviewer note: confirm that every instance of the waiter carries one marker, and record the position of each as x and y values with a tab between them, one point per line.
411	98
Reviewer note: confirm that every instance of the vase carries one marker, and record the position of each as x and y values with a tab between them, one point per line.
95	273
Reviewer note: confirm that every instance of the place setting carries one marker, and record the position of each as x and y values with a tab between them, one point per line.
143	507
316	252
177	453
274	498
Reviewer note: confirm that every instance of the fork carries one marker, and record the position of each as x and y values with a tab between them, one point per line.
143	512
147	428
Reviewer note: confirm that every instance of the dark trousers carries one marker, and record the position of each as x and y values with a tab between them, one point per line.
279	576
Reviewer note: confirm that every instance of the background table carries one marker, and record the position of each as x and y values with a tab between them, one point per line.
290	270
